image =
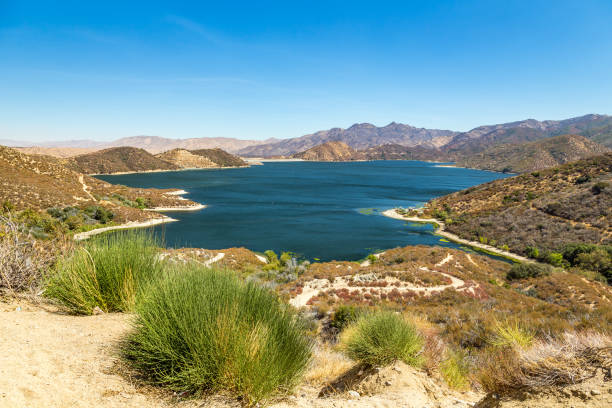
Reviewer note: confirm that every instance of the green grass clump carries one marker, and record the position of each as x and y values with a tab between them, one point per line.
380	338
107	272
200	330
511	334
455	370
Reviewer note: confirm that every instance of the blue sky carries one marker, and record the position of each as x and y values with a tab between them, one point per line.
105	70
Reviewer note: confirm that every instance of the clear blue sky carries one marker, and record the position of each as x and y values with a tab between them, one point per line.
104	70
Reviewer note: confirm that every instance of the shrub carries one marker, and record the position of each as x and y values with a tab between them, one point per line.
511	334
22	260
571	359
380	338
201	330
455	370
344	315
106	272
527	270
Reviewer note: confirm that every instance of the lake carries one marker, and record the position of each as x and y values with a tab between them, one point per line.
326	211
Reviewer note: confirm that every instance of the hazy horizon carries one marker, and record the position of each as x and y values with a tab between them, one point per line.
75	70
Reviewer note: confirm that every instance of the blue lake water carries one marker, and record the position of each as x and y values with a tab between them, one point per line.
317	210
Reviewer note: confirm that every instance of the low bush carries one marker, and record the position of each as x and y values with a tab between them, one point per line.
511	334
23	259
571	359
199	330
527	270
344	315
106	272
455	370
380	338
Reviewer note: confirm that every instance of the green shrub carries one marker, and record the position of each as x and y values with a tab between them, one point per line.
343	316
511	334
106	272
200	330
380	338
527	270
455	370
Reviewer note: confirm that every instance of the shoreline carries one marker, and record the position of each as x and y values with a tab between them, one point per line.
120	173
169	209
128	225
392	213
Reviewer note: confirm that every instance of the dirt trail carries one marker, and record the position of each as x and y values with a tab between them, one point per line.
316	286
86	187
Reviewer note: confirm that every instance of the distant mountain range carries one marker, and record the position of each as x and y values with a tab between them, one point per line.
394	141
359	136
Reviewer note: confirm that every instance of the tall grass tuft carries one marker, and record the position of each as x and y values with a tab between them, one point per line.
511	334
200	330
107	272
380	338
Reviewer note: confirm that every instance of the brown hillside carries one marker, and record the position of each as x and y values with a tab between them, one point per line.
221	157
184	159
329	151
41	182
119	160
547	209
538	155
398	152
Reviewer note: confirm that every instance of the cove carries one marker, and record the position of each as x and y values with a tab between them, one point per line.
319	210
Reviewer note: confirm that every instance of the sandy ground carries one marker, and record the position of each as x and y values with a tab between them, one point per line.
392	213
52	360
48	359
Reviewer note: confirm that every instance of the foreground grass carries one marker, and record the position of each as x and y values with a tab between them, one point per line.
199	330
380	338
107	272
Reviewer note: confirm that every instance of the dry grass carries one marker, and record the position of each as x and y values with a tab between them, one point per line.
553	362
326	366
23	260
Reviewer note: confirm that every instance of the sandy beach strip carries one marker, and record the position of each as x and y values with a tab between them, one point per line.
183	208
392	213
132	224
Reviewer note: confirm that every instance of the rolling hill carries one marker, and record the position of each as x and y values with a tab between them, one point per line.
42	182
329	151
119	160
541	211
531	156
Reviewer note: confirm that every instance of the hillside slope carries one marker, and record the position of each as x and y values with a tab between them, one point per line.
42	182
543	210
538	155
220	157
595	127
119	160
398	152
329	151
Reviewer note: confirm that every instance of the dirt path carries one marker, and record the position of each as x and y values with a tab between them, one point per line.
316	286
86	187
52	360
455	238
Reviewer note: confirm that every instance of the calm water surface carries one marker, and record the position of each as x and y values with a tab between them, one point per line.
318	210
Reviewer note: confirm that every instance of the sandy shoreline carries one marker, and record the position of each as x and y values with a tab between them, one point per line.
132	224
392	213
184	208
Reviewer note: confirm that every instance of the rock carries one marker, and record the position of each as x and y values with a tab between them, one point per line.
595	392
353	394
388	383
97	311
